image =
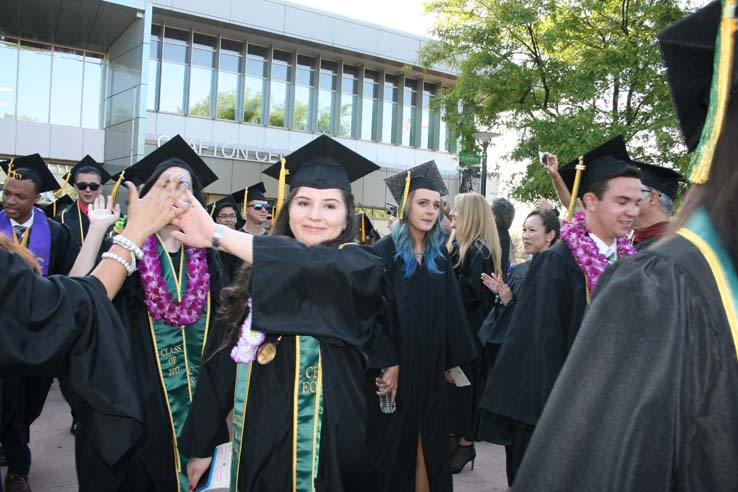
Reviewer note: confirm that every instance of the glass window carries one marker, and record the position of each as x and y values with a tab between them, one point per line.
92	92
229	78
255	86
154	64
304	93
370	106
66	87
34	82
327	97
279	92
174	70
410	113
428	118
202	74
390	109
349	101
8	74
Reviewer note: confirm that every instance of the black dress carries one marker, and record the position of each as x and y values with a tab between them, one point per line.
150	464
478	301
647	399
433	336
334	296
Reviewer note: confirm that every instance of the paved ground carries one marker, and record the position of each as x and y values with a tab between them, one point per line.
53	456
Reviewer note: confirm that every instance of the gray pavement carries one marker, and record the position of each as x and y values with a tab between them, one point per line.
53	456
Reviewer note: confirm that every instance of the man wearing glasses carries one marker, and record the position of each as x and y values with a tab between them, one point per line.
257	209
658	193
87	178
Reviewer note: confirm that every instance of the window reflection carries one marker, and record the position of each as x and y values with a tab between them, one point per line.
173	70
201	75
327	97
279	92
255	86
370	106
66	87
349	101
410	113
229	78
390	108
304	90
428	118
92	91
154	63
8	74
34	82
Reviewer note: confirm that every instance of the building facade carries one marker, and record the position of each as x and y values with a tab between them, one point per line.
243	81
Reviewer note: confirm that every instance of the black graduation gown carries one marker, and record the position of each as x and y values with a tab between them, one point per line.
70	217
335	296
67	327
478	300
647	400
433	336
149	465
545	322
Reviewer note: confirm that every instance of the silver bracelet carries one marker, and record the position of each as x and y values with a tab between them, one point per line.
126	243
115	257
217	233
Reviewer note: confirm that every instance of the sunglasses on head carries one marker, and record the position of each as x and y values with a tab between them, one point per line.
259	206
91	186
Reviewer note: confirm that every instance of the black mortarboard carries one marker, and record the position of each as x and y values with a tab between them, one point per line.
425	176
365	231
34	168
253	192
661	179
178	148
87	161
53	208
323	163
601	163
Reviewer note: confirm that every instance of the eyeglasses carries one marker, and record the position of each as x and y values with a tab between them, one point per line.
227	217
259	206
84	186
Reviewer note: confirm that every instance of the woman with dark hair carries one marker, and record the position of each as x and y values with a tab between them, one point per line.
541	230
410	449
304	324
169	307
647	399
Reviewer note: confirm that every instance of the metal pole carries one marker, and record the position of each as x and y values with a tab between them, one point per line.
483	184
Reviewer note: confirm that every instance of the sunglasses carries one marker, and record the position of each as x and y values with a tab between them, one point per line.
84	186
259	206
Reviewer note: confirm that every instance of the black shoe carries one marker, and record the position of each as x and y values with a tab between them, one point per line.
462	456
453	443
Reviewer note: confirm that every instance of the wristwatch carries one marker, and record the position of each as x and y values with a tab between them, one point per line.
217	234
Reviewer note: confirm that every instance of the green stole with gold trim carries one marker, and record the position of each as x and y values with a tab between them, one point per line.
179	351
307	414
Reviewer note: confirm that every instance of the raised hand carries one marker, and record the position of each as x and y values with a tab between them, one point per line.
161	205
101	213
195	224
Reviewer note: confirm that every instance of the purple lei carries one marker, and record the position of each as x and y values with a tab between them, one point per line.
159	302
248	343
585	251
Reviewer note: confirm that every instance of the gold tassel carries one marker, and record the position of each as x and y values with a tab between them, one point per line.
114	193
405	192
244	208
702	160
283	172
11	173
60	191
212	208
575	189
363	228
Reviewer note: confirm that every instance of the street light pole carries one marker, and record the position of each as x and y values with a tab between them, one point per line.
483	139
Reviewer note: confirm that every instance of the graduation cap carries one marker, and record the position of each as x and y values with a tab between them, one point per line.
177	148
57	206
366	232
662	179
31	167
425	176
322	163
700	95
601	163
87	161
253	192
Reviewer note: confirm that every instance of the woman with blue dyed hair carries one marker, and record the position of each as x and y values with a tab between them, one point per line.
409	447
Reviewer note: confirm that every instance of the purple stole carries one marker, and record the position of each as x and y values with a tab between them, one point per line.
39	240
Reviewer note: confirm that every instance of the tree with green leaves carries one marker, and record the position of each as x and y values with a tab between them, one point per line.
565	75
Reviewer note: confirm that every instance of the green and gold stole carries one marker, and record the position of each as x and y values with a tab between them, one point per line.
179	350
700	232
307	414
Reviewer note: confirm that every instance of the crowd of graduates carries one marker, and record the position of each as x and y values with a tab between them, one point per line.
333	359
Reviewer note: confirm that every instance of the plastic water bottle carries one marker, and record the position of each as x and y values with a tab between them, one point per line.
386	405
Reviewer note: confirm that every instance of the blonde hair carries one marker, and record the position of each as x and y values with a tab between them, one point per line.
9	245
475	226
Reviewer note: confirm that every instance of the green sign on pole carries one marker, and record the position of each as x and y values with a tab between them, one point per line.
469	159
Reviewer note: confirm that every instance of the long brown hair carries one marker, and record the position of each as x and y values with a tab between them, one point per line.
9	245
475	227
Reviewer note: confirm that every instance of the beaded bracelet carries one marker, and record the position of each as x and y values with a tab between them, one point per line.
126	243
115	257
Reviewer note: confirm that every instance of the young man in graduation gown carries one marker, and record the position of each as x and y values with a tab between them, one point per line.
255	209
647	400
660	188
87	177
557	288
25	224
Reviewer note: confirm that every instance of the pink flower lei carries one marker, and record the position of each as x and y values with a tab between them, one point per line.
585	251
248	343
159	302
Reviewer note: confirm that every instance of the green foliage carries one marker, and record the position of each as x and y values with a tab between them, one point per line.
565	74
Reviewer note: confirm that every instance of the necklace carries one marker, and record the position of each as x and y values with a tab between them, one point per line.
159	301
585	251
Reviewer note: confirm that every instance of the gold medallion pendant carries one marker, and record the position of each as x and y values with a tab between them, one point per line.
267	352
